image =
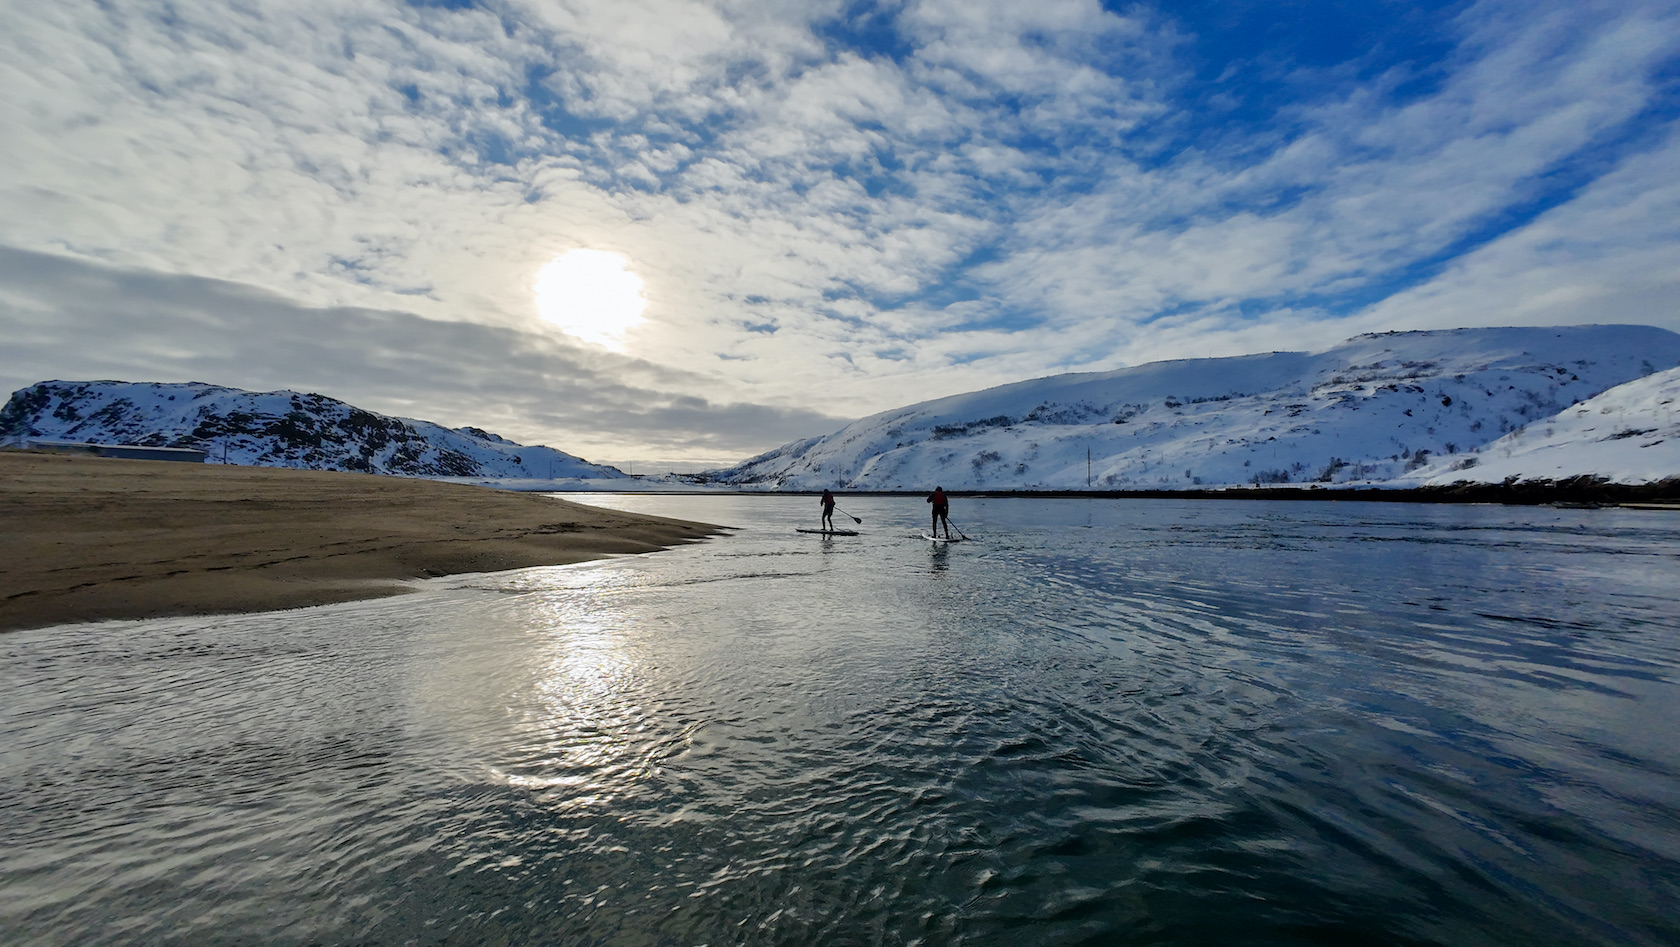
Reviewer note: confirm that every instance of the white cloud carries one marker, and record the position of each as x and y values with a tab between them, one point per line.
989	203
1383	188
524	385
1610	255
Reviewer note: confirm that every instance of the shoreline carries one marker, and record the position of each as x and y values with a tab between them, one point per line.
95	539
1582	490
91	538
1579	490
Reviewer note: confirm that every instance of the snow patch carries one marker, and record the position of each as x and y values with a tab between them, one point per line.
1376	410
1629	434
275	429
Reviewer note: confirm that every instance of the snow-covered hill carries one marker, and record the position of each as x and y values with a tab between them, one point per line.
274	429
1629	434
1370	410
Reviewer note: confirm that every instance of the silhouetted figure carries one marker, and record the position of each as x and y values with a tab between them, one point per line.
941	511
828	510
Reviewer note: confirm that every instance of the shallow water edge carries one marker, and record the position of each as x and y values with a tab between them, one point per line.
1136	723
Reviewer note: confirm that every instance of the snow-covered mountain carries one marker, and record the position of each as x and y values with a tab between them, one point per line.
275	429
1629	434
1370	410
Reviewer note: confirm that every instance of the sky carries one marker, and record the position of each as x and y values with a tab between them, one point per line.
810	211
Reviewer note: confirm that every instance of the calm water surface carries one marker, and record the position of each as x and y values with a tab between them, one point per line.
1108	722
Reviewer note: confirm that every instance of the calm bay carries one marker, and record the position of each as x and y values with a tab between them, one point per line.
1099	721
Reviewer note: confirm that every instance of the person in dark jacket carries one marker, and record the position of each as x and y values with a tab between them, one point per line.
941	511
828	510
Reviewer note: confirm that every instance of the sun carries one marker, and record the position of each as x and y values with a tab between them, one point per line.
592	295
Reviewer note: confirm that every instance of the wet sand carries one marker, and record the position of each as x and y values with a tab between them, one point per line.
90	538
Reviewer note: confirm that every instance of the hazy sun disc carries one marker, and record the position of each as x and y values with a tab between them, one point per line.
591	294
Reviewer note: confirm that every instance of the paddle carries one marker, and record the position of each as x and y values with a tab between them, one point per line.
959	531
854	518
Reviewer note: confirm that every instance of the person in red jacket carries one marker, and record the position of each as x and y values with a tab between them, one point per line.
828	510
941	511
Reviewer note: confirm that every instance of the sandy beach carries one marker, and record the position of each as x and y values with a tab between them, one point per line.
89	538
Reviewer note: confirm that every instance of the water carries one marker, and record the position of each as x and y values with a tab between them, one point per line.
1115	722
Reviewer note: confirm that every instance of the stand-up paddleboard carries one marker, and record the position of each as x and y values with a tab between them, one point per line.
943	539
828	532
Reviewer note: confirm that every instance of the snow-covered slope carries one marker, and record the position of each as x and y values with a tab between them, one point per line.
1369	410
274	429
1629	434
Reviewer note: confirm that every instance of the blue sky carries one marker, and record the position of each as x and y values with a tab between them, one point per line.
835	208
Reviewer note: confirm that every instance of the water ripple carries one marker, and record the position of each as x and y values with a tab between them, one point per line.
1107	722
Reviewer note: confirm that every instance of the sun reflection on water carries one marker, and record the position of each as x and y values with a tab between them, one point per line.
586	731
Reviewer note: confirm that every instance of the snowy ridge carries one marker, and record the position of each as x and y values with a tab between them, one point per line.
1369	411
1629	434
275	429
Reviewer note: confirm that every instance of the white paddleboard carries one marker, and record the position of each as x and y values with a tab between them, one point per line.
942	539
828	532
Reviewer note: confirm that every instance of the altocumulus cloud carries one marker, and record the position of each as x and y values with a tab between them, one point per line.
835	207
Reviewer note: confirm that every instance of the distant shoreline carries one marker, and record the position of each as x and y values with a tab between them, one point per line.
91	538
1520	494
1580	490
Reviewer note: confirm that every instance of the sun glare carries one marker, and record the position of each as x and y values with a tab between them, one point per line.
591	294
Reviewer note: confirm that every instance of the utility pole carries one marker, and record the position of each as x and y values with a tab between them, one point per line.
1087	468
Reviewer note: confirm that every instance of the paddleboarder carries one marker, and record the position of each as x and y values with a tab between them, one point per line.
828	510
941	511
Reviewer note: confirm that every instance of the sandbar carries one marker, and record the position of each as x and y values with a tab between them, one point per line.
91	538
